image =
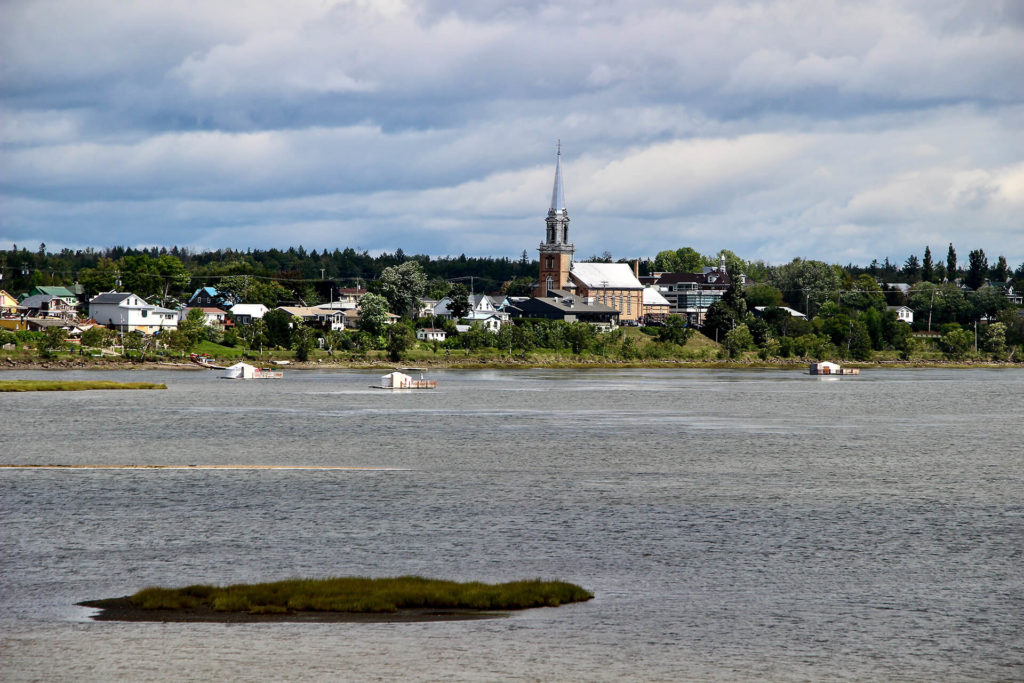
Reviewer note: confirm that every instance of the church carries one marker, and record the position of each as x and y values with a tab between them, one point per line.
610	284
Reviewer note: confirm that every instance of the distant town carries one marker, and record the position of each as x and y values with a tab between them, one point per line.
680	305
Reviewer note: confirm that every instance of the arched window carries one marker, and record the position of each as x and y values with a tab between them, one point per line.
549	284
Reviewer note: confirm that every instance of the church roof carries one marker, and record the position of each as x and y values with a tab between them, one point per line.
605	275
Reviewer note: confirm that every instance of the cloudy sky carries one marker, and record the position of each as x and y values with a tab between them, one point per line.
842	131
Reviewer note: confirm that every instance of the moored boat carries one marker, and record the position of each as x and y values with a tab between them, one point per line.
831	369
400	380
246	371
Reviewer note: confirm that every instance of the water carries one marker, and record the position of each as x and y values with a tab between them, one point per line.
733	525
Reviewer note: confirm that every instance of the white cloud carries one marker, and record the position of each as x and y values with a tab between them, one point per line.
824	129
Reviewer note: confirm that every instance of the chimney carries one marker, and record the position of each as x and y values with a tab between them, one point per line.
636	268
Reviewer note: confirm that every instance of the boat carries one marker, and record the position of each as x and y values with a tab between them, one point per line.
400	380
831	369
205	361
246	371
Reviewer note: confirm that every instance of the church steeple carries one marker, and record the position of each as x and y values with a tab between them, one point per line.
556	250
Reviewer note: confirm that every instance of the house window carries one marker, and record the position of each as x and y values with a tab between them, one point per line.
629	304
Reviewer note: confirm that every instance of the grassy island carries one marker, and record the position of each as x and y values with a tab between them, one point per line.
404	598
83	385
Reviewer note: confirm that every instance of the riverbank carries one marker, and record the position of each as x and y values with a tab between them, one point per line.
471	363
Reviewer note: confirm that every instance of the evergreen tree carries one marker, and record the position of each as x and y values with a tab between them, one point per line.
977	268
927	269
951	263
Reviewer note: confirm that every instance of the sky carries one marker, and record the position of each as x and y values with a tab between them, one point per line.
832	130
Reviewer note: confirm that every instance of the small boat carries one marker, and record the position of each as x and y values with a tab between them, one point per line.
246	371
400	380
205	361
831	369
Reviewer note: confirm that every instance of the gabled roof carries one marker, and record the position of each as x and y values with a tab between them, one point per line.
110	297
37	300
56	291
248	309
652	297
605	275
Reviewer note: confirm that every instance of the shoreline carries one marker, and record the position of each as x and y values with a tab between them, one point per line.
117	609
11	364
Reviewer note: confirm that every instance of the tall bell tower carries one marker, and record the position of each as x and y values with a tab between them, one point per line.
556	250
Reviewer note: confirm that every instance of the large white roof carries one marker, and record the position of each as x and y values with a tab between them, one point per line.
605	275
652	297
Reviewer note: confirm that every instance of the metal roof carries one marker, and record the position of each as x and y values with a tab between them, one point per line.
605	275
557	192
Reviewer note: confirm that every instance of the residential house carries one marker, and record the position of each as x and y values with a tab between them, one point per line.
127	312
482	309
431	334
48	306
902	313
210	297
244	314
215	317
8	304
325	319
63	293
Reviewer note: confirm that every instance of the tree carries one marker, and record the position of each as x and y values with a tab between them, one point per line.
102	278
254	334
911	268
303	339
458	304
580	336
95	337
684	260
951	263
136	341
52	340
734	299
956	344
806	284
279	330
738	340
1002	271
193	327
994	340
403	286
373	314
977	268
863	294
332	340
859	344
675	331
927	268
718	321
763	295
401	338
987	302
170	273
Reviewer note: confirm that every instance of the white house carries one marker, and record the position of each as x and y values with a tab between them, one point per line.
246	313
482	309
902	313
127	312
430	334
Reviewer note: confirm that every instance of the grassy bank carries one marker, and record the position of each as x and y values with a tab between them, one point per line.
352	594
84	385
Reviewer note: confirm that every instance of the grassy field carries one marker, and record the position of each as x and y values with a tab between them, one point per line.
84	385
354	594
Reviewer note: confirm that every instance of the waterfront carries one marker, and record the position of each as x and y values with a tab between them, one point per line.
732	524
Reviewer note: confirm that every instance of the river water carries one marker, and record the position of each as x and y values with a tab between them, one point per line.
732	524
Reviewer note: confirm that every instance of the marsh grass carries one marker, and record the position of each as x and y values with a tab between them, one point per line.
84	385
357	594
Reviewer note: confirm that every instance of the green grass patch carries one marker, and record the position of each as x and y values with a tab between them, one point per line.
83	385
358	594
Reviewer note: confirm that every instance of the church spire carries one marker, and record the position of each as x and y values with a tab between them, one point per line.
557	194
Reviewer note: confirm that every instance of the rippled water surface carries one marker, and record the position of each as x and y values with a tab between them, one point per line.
732	525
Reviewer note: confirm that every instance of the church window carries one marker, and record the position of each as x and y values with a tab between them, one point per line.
549	284
629	304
